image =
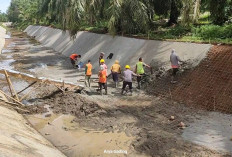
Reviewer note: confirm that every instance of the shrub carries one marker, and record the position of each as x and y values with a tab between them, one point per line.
213	31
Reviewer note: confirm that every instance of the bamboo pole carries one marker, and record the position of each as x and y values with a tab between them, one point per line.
12	90
12	98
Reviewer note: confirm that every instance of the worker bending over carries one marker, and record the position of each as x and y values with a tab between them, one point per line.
73	58
115	71
140	71
88	73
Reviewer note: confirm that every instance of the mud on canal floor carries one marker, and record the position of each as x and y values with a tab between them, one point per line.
88	124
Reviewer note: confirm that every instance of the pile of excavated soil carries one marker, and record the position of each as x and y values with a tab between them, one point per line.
208	86
68	102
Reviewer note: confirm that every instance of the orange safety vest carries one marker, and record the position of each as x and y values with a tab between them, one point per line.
102	76
89	69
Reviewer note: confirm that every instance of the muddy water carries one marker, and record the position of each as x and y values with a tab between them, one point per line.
73	140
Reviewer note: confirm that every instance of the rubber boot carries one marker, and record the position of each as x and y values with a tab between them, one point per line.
106	92
139	85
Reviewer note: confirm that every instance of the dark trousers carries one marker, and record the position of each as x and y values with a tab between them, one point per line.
73	62
115	76
139	79
125	84
101	85
174	71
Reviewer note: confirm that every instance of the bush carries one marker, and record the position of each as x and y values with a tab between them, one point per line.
213	31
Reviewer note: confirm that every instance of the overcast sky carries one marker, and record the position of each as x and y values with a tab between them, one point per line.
4	4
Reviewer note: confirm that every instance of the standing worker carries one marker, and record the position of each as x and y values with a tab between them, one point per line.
102	63
140	70
174	59
88	73
102	79
127	79
115	70
101	57
73	59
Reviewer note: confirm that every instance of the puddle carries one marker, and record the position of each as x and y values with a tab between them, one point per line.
7	51
213	131
38	67
6	64
73	140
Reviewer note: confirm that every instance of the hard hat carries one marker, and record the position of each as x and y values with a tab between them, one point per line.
127	67
102	61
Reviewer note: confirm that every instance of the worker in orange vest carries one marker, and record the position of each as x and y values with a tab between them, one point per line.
73	59
88	73
102	79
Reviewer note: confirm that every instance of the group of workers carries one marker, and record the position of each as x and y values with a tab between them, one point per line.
127	73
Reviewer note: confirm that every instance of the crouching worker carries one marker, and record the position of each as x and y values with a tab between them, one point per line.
88	73
127	76
73	58
102	79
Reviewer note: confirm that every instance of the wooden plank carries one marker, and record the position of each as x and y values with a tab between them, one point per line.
7	79
39	79
57	86
9	104
12	98
14	94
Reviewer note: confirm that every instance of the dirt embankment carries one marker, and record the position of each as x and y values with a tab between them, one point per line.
208	86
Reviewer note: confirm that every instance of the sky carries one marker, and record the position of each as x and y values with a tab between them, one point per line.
4	4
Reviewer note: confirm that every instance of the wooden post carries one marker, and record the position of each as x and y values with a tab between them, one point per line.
12	90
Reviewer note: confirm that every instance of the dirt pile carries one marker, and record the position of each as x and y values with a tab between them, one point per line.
208	86
66	103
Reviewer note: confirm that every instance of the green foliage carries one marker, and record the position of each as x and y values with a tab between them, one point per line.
3	17
213	32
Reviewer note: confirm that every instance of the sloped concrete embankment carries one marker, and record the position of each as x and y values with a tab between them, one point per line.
2	38
17	137
126	50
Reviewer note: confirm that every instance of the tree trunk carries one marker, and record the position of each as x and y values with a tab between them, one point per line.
196	11
102	10
174	13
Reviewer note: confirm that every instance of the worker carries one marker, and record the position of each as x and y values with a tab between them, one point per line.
88	73
139	70
73	58
101	57
175	60
127	79
102	79
102	62
115	71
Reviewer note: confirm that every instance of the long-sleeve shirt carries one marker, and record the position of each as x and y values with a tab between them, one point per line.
175	59
127	75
